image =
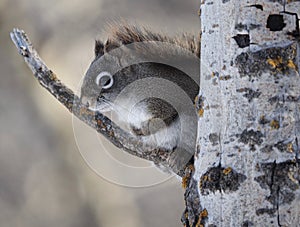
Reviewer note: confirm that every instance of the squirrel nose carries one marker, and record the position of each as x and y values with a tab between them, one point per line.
100	98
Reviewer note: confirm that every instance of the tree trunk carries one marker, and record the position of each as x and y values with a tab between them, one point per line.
247	160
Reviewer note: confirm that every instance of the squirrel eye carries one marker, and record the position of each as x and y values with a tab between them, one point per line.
104	80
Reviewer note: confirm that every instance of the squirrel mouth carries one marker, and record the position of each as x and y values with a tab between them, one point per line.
101	108
99	104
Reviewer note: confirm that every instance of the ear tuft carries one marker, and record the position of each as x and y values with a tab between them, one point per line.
99	48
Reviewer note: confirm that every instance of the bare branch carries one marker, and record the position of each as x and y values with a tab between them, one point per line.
94	119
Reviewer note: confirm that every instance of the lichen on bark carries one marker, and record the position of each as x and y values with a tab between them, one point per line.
250	127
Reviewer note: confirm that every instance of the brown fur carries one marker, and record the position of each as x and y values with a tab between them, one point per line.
123	34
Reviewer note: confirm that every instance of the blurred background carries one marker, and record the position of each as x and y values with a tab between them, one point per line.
44	181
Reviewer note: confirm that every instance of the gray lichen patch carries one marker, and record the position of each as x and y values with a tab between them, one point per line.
220	179
281	179
275	99
269	211
267	149
251	138
214	138
249	93
276	60
283	98
282	146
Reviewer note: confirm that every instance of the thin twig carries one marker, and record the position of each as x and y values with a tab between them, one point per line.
94	119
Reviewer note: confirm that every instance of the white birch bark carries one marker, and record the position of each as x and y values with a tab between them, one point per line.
247	162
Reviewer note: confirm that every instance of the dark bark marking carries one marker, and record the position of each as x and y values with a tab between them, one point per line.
283	98
274	124
199	105
220	179
242	40
263	120
275	22
281	179
267	149
247	224
297	149
277	208
269	211
275	60
250	94
275	99
246	27
296	32
291	98
226	77
251	138
283	2
257	6
281	146
214	138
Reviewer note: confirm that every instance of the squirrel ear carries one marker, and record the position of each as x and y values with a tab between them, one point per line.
99	48
110	45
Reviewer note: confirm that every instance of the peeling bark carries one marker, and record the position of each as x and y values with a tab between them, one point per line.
247	162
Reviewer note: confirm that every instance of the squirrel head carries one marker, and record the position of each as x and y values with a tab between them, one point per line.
129	54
